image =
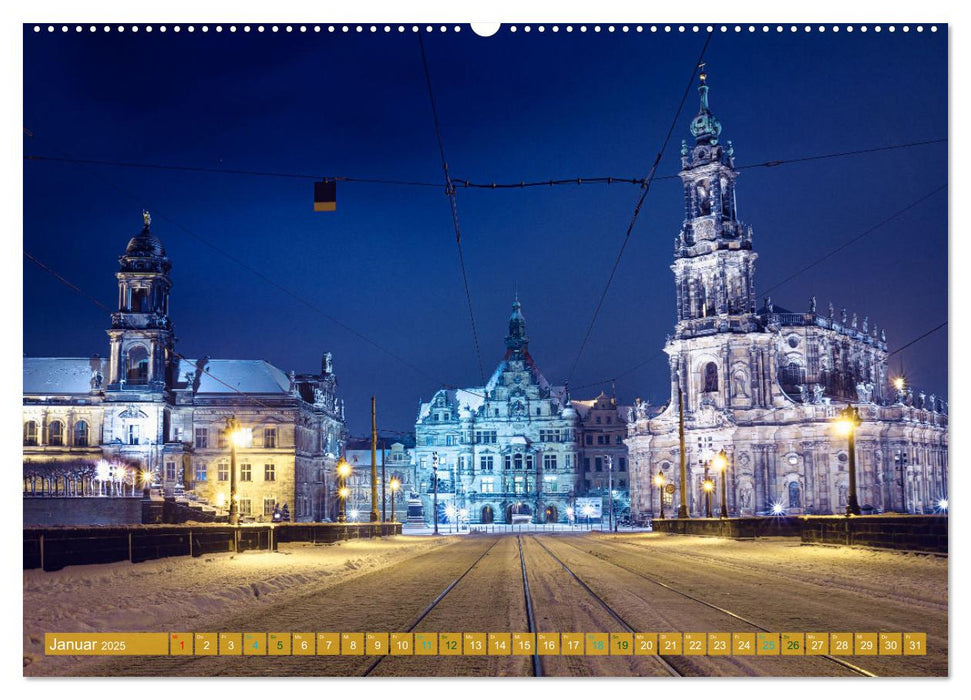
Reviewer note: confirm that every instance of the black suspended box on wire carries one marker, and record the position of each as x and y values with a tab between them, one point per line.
325	195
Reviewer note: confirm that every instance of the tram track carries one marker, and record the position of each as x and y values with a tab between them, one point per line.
858	670
662	661
431	606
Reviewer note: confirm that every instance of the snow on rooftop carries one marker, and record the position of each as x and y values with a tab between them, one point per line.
247	376
60	375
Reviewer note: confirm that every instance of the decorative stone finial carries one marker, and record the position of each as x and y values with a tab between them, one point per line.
147	218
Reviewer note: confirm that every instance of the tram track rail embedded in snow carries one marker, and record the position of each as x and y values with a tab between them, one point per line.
836	660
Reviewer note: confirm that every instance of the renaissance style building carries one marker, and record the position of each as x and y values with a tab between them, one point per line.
518	445
765	384
91	422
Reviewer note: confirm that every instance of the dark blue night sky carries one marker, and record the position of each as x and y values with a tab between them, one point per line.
512	107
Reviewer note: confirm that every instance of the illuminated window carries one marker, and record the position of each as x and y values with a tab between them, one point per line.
81	434
55	433
488	484
200	471
30	432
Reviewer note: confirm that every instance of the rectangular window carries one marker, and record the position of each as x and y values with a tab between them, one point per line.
132	435
507	461
518	461
589	439
549	462
568	461
600	439
170	471
488	484
202	438
623	464
268	505
269	437
518	485
245	506
200	471
245	472
223	470
620	440
529	461
586	464
448	440
485	463
598	420
221	442
269	472
598	464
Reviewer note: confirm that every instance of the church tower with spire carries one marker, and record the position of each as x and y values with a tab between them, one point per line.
141	335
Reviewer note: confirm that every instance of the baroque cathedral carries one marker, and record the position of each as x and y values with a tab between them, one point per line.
102	426
765	384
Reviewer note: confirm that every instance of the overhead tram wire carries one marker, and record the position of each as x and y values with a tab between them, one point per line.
917	339
63	280
828	255
834	251
450	192
646	187
274	283
467	184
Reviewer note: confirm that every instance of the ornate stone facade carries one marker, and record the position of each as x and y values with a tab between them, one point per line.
765	384
512	447
145	409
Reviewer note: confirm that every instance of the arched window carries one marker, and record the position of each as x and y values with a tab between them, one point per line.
137	366
711	377
794	500
30	432
81	434
55	433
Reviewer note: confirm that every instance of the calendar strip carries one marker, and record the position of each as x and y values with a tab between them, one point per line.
487	644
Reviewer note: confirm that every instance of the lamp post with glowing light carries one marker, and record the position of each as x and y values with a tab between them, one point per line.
899	383
435	486
846	424
708	485
720	462
233	432
343	471
395	484
659	482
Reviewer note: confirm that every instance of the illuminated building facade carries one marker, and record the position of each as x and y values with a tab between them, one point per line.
145	409
765	384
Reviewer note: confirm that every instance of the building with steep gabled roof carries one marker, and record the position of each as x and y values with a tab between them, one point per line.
147	415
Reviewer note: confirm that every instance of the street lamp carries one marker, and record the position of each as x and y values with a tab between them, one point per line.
659	482
235	435
395	484
610	491
708	485
451	512
343	471
720	462
846	424
435	486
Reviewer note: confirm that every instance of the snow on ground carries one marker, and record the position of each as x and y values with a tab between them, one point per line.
908	577
184	593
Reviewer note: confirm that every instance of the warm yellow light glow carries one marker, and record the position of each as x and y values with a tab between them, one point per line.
343	468
220	499
145	476
659	480
899	383
719	461
238	437
395	484
844	426
344	492
709	485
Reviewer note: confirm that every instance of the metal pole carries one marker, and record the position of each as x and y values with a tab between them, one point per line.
683	508
374	463
852	505
232	425
705	484
384	484
724	512
435	492
392	505
610	491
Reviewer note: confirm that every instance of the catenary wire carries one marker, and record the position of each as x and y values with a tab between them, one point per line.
450	192
646	187
459	182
